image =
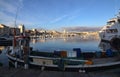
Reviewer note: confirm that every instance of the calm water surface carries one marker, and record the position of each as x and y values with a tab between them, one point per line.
65	44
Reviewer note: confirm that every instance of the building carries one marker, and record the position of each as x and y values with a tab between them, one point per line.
4	30
16	32
22	28
8	31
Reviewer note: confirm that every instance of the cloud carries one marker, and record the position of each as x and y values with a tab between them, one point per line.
20	3
6	18
69	16
8	9
58	19
10	6
7	6
64	17
10	20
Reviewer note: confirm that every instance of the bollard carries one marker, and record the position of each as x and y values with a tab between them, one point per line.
42	68
26	66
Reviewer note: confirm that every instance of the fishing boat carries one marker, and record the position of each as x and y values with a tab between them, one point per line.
22	54
110	34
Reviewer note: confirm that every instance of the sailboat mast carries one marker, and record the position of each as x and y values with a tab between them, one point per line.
14	30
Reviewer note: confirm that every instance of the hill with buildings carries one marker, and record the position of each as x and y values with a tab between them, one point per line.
82	29
83	32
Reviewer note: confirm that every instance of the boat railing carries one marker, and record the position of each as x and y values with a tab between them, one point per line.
43	60
40	57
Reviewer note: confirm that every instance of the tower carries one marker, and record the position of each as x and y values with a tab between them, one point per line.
22	28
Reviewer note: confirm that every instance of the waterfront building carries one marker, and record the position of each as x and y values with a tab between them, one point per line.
17	31
4	30
22	28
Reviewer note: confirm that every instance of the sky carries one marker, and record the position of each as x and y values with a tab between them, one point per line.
56	14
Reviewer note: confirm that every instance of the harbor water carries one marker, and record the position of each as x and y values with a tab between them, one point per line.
66	44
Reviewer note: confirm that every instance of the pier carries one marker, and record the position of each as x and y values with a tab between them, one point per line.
21	72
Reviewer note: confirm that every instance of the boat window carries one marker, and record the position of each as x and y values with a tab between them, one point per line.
108	31
111	30
110	22
108	26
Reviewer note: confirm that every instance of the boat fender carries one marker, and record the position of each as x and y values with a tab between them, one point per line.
89	62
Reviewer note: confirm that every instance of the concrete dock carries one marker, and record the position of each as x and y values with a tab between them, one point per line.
20	72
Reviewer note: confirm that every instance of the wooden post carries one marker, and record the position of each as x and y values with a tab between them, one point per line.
61	64
26	50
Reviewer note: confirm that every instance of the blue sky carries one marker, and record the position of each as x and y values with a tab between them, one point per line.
55	14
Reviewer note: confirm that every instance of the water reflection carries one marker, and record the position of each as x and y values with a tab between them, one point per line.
37	40
64	39
2	47
67	44
3	58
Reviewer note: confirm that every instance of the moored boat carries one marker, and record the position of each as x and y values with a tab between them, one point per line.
110	34
84	61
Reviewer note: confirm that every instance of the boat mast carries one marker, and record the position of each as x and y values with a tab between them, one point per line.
14	30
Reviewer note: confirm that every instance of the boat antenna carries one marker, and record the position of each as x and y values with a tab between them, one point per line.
15	26
16	15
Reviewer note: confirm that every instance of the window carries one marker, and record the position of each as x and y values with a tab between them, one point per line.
110	22
111	30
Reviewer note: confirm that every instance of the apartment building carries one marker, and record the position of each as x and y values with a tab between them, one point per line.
4	30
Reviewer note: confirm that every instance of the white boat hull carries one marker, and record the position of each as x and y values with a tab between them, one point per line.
93	67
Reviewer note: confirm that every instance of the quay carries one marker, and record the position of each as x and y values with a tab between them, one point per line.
21	72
